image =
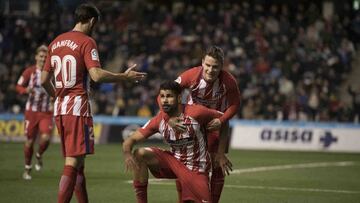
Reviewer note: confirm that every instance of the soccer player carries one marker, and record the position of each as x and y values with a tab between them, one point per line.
38	112
217	89
188	159
73	58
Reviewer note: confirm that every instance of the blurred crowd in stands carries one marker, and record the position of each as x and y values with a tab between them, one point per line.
289	60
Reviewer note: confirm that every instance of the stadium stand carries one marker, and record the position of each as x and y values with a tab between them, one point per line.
290	60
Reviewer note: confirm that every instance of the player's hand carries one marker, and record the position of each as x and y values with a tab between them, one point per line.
222	161
176	123
134	76
29	90
130	162
215	124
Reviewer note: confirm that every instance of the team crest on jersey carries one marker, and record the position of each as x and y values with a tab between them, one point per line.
94	55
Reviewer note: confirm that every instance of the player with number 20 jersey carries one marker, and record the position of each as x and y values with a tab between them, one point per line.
72	60
69	57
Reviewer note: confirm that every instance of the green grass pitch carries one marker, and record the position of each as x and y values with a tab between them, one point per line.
262	176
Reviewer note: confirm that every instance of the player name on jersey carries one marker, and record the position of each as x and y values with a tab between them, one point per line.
72	45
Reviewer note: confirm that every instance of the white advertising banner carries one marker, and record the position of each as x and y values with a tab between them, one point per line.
277	136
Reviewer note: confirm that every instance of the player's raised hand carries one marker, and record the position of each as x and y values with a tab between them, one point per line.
215	124
225	164
134	76
177	124
130	163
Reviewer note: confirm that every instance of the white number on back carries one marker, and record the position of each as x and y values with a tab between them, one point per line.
67	68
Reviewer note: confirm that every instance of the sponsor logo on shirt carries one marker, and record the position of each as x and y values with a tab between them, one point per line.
181	143
205	102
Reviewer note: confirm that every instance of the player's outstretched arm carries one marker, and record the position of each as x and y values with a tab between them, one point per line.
47	84
103	76
128	144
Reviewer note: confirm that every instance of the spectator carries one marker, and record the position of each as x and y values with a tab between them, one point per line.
262	42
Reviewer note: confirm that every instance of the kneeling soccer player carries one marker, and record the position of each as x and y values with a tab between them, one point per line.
188	159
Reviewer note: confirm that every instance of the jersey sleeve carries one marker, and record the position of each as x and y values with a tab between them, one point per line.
185	78
202	114
91	55
151	127
232	96
23	81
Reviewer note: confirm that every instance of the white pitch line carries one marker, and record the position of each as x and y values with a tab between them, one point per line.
274	168
167	182
292	166
290	189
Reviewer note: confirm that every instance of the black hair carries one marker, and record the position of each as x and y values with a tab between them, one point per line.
217	53
84	12
171	85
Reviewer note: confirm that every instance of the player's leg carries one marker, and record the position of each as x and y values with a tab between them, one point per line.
28	152
68	178
80	186
196	187
145	159
179	190
77	141
217	181
31	131
45	126
86	140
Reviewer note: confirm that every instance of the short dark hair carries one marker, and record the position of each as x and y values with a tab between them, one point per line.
171	85
84	12
217	53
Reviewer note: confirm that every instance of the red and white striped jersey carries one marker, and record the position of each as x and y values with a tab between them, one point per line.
38	100
70	56
223	94
190	147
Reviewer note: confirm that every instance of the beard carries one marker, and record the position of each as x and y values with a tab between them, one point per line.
169	109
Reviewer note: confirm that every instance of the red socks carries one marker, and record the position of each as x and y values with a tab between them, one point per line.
217	184
43	146
140	191
28	152
80	187
67	184
179	190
